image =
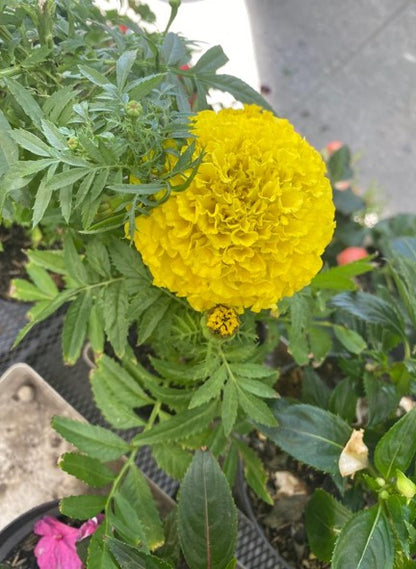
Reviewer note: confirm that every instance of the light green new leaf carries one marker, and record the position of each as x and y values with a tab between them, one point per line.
342	278
90	470
324	518
397	447
94	440
365	542
257	388
28	292
82	507
311	435
75	327
253	371
51	260
207	516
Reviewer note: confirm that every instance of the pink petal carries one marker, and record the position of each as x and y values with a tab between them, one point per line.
49	526
88	528
55	553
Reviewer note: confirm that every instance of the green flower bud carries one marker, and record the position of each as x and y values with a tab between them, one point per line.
133	109
73	143
384	494
404	485
381	482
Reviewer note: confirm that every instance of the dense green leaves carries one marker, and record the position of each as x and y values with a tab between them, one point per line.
207	515
82	507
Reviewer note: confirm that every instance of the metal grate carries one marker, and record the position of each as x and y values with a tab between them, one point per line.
41	349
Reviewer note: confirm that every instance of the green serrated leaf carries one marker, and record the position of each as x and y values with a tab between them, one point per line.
179	427
256	409
210	389
42	279
82	507
94	440
115	310
229	406
123	67
66	178
25	100
73	261
51	260
257	388
151	318
94	76
365	542
172	459
43	196
129	557
31	142
99	555
324	518
90	470
75	327
207	516
342	278
141	87
136	491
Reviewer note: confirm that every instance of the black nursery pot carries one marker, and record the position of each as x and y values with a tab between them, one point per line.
15	534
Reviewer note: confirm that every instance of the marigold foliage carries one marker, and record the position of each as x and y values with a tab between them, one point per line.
251	227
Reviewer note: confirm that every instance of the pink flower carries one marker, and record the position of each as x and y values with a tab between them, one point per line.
351	254
333	146
56	548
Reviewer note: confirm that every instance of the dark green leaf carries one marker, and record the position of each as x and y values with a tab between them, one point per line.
382	398
115	310
365	542
73	261
313	436
343	400
254	471
350	339
141	87
172	459
324	518
237	88
210	389
397	447
129	557
314	390
30	142
257	410
207	515
123	67
94	76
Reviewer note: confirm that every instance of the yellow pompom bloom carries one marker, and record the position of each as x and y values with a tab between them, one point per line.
223	321
253	224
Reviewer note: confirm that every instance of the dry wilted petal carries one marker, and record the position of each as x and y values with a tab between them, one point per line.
354	456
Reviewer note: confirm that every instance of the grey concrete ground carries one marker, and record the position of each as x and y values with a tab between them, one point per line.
346	70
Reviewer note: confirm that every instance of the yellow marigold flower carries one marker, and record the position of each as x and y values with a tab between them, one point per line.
223	321
252	225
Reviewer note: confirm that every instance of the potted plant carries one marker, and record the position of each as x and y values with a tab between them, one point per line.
189	255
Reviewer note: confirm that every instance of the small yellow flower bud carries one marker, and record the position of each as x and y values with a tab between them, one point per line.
381	482
133	109
73	143
223	321
404	485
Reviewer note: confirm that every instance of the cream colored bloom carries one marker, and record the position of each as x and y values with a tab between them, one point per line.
354	456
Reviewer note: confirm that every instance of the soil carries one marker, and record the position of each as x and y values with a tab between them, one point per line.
291	484
14	240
